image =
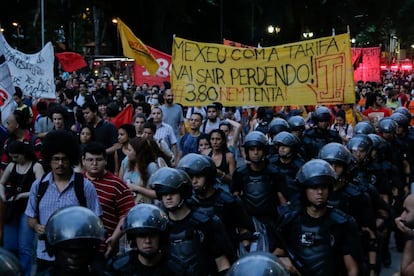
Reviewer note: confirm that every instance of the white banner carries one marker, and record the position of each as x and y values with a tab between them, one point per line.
6	90
33	73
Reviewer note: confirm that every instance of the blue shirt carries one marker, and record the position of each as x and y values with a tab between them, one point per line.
53	200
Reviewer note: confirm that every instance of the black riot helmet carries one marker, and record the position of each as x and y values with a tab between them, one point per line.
168	180
145	219
378	143
316	172
387	125
74	227
364	127
259	264
321	114
9	264
198	164
296	123
335	153
360	142
403	110
255	139
278	125
287	139
400	119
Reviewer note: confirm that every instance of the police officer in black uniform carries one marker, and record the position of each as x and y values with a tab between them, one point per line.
320	134
214	201
257	185
317	239
196	242
145	226
287	162
364	127
276	126
73	235
348	198
363	175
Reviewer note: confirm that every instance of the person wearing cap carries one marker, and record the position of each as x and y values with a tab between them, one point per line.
145	227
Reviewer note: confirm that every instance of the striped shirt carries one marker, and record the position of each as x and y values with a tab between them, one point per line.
53	200
116	200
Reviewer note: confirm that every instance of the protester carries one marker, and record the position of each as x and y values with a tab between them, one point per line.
114	195
61	151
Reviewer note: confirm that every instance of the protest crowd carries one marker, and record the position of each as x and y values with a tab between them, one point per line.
116	177
167	189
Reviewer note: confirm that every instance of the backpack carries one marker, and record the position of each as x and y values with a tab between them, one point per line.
78	186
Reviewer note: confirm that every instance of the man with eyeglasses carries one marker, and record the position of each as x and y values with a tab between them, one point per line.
114	195
61	151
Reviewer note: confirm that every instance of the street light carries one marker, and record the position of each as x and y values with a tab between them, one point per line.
18	35
273	29
307	35
115	21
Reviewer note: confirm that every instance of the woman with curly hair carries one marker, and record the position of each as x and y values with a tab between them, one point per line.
138	166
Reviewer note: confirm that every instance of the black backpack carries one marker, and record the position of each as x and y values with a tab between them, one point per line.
78	185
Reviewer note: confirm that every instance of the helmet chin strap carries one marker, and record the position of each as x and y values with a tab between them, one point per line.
202	191
175	208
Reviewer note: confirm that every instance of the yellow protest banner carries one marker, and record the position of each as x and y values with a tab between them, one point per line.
309	72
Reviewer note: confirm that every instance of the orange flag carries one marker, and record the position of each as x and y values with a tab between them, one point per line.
134	48
123	117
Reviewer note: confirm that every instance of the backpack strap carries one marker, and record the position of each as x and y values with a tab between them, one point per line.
78	186
80	193
41	190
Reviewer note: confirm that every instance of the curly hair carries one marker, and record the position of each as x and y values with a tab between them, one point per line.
61	141
144	155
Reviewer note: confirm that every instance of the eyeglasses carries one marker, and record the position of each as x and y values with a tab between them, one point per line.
56	159
93	160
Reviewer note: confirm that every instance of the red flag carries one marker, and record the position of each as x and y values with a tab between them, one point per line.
141	74
71	61
123	117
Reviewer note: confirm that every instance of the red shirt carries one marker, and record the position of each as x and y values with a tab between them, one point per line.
116	200
375	115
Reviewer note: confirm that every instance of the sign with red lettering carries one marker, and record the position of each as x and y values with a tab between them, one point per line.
141	75
317	71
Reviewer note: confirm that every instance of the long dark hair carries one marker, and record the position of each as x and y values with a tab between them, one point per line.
223	147
144	155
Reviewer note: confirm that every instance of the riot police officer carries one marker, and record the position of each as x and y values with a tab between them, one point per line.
318	240
255	183
348	198
287	162
73	235
320	134
215	201
145	226
364	127
258	264
195	241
